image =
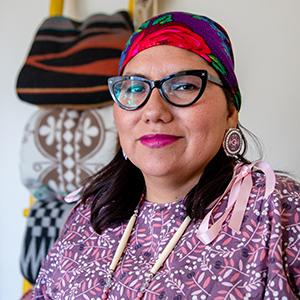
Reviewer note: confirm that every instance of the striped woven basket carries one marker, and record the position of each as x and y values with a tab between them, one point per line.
69	61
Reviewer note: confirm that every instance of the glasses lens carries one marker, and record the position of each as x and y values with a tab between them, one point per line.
182	90
131	93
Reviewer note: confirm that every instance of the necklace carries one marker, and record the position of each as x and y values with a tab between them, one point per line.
157	265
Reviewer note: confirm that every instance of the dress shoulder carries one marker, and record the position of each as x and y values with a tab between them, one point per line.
284	245
287	185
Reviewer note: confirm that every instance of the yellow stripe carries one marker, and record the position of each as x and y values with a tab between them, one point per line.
131	8
56	7
31	200
26	286
98	88
27	210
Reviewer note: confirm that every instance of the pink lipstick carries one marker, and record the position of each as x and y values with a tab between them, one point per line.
158	140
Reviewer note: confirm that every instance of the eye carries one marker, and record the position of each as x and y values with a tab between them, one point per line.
184	87
183	84
135	88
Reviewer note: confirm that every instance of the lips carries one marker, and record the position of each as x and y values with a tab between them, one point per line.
158	140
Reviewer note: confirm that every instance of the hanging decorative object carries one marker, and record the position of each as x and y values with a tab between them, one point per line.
69	61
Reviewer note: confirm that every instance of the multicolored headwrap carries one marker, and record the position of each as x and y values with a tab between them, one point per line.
194	33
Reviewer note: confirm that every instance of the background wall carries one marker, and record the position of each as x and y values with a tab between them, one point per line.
265	34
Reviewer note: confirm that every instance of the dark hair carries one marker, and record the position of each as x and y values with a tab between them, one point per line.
116	190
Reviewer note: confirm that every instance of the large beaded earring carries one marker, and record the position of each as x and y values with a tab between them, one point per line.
233	142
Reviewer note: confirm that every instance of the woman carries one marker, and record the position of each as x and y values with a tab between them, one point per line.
179	213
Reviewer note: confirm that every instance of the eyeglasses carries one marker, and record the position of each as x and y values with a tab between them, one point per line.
179	89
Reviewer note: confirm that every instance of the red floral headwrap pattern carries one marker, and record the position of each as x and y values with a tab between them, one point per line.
194	33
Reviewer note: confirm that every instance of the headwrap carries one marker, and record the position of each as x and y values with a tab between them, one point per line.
194	33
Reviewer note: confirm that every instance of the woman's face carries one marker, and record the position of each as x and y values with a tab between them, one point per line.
165	141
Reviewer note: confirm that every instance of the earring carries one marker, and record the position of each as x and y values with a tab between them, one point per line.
233	142
124	154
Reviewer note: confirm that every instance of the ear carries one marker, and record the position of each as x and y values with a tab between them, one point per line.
232	117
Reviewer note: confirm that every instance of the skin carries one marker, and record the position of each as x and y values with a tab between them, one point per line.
171	171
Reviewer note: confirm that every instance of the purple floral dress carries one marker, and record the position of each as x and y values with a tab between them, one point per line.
261	262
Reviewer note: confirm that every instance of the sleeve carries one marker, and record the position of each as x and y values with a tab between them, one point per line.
284	247
46	275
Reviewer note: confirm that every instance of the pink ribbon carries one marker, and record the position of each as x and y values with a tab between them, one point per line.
74	196
240	188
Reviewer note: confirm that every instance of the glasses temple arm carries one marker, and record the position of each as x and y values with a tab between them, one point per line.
215	80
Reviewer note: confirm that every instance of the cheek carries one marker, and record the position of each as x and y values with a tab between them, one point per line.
116	114
118	122
208	127
125	122
122	118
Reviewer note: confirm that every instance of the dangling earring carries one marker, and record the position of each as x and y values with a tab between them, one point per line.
233	142
124	154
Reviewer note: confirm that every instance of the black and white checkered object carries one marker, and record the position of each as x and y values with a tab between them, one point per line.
43	226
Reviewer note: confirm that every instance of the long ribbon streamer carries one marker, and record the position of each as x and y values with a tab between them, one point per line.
240	188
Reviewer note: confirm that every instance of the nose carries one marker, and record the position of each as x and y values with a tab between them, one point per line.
156	109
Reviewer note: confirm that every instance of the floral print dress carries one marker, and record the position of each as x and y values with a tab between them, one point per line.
260	262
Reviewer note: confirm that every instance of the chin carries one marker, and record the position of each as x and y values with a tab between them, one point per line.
157	169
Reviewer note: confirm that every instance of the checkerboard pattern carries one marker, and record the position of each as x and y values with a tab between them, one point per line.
45	220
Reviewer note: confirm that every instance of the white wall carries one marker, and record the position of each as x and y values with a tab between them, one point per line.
265	35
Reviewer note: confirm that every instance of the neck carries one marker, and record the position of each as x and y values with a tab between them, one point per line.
159	190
